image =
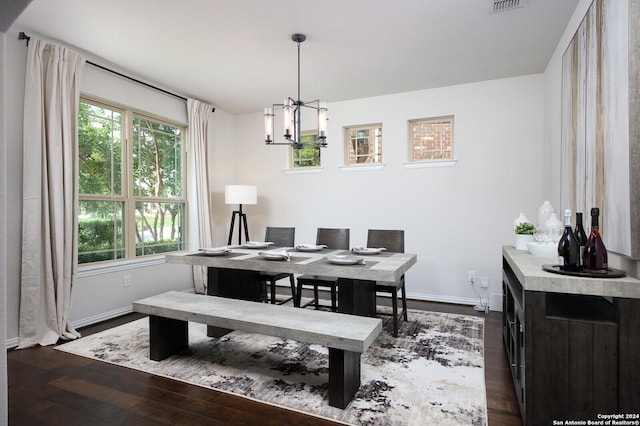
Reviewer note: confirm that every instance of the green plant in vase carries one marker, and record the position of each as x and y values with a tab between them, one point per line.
524	235
525	228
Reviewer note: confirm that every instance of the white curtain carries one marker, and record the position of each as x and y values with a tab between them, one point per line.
50	193
198	183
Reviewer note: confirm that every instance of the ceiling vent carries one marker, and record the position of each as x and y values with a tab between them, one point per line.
504	5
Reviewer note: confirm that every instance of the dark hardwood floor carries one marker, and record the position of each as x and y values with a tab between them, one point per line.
50	387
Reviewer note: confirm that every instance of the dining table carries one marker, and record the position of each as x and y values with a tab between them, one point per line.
235	271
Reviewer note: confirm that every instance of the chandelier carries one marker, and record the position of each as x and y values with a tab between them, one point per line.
291	113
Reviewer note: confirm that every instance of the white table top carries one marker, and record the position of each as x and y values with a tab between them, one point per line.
383	267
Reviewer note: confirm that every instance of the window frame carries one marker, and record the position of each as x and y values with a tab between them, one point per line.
128	197
411	144
376	155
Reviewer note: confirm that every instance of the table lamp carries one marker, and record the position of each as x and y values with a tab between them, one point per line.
240	194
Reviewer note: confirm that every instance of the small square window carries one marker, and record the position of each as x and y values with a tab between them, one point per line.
431	139
363	144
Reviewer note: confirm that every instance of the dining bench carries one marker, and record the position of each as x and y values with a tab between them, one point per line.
346	336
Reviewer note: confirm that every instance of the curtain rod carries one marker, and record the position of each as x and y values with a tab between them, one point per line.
23	36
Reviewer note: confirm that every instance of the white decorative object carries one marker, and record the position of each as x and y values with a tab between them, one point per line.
544	213
546	250
520	219
522	240
554	227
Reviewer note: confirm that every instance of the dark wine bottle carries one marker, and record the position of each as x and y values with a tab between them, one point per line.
595	253
568	247
581	236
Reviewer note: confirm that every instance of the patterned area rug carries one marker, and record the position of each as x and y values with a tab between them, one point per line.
432	374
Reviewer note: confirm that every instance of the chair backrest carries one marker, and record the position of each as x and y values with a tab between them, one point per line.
335	238
392	240
280	236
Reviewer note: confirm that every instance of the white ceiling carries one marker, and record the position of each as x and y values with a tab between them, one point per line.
238	54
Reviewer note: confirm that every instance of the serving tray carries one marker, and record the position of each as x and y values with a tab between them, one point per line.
609	273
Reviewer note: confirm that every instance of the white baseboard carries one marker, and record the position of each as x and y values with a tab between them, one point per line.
493	305
102	317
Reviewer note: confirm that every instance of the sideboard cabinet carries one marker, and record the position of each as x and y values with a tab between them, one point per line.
573	343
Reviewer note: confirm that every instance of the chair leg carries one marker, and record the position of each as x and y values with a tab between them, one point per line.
298	299
394	303
273	291
293	290
334	303
404	303
315	296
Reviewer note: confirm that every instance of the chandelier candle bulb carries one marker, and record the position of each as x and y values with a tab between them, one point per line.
268	125
286	113
322	121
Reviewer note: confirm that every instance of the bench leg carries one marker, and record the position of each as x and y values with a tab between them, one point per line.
344	376
166	337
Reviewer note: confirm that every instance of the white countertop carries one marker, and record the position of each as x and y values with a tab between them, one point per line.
528	270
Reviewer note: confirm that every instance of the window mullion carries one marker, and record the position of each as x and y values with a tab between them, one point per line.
130	211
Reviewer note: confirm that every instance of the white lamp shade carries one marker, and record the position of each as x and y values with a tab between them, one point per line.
240	194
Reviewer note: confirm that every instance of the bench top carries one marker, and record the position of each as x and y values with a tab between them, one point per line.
335	330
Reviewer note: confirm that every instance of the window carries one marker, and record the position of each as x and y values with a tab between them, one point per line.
363	144
132	197
431	139
309	156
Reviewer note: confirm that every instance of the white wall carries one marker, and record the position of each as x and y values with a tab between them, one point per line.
552	131
455	218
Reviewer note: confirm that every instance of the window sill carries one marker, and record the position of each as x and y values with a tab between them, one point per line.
430	164
302	170
362	168
118	265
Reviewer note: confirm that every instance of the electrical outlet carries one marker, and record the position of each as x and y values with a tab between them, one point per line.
484	282
472	276
126	281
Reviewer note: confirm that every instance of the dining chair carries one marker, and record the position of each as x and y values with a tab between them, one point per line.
281	237
393	241
333	238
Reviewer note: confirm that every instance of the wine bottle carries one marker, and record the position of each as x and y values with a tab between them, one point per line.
581	236
568	247
595	253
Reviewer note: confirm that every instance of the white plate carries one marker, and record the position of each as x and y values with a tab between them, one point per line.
256	245
345	260
215	251
273	256
367	250
309	247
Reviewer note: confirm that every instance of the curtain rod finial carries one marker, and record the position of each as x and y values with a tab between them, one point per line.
23	36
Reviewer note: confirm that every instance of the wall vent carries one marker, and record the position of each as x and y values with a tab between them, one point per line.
504	5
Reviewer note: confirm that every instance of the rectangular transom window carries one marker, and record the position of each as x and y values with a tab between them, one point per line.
131	177
431	139
363	144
